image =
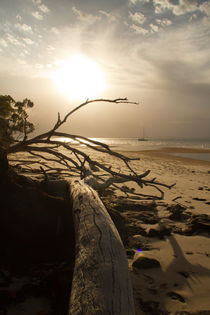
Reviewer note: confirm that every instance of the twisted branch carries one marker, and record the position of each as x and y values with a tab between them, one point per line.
70	160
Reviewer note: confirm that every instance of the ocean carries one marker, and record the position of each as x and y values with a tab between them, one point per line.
133	144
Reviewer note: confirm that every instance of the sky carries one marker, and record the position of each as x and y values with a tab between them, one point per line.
155	52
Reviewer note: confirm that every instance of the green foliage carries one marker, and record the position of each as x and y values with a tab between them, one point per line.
13	119
6	103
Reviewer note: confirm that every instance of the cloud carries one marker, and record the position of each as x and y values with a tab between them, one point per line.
18	17
137	17
37	15
7	27
184	6
3	43
39	66
24	27
175	61
50	48
28	41
139	29
193	17
110	16
154	28
54	30
131	2
205	7
85	17
12	40
171	60
162	6
37	1
21	61
164	22
43	8
24	53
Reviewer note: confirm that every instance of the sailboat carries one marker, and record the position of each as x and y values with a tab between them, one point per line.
143	137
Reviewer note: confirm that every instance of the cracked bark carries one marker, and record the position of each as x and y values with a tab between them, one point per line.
101	282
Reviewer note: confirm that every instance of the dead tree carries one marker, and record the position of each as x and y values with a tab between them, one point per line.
101	282
47	147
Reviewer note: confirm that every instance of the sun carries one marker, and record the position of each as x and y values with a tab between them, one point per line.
79	77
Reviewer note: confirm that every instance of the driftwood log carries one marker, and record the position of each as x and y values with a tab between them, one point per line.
101	281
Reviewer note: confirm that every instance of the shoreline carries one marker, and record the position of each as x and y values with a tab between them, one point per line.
167	153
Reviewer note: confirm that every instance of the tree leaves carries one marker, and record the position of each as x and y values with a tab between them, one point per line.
13	119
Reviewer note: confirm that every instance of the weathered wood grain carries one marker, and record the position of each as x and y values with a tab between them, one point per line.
101	280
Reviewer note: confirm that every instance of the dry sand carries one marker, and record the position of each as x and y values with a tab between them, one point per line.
192	177
182	284
183	281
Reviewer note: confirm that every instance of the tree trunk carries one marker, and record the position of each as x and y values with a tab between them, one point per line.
3	162
3	171
101	281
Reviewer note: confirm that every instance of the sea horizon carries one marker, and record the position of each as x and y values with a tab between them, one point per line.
133	144
155	143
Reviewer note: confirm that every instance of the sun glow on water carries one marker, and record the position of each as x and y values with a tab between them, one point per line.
79	77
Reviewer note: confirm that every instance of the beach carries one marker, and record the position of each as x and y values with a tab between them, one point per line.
191	176
182	283
173	232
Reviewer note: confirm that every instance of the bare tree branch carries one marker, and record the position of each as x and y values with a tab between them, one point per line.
66	159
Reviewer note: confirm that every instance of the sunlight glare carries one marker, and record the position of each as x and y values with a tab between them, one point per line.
79	77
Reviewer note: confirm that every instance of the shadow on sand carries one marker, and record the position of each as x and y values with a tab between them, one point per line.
160	286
